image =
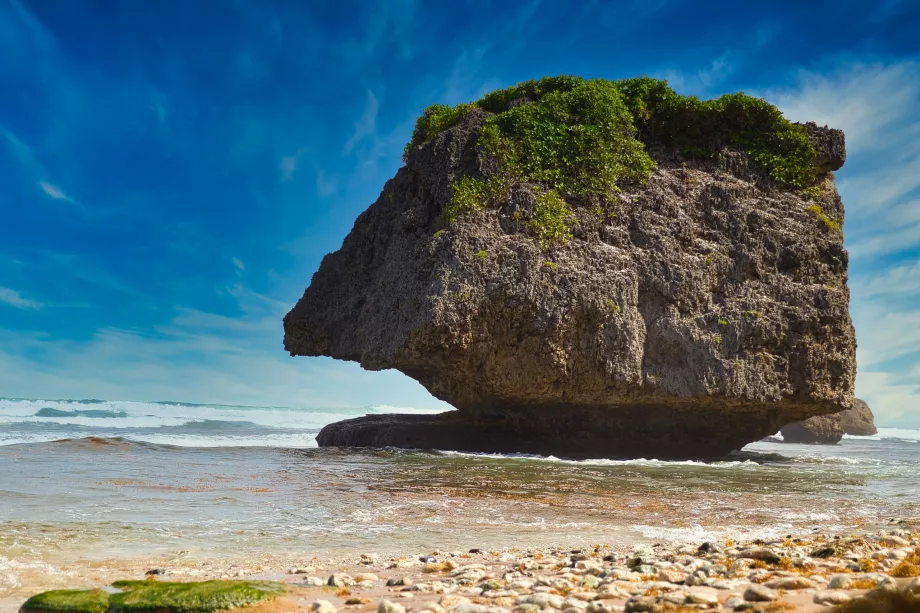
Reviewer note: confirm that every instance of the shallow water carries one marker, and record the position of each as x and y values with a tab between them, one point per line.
134	479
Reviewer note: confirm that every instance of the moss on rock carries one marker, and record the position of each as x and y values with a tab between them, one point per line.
582	139
162	596
75	601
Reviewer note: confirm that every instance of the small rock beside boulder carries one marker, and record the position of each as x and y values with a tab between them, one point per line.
829	429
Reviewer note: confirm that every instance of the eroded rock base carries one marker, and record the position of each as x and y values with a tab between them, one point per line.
624	433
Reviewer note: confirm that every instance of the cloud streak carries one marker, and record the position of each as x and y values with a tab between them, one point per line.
878	107
366	126
11	297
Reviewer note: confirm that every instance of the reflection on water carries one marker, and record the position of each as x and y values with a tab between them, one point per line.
98	498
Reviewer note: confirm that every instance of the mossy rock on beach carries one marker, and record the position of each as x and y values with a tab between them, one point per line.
82	601
160	596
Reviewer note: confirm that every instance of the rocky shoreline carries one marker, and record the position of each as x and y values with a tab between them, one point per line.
808	572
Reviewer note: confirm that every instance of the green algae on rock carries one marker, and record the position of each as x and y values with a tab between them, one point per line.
163	596
69	601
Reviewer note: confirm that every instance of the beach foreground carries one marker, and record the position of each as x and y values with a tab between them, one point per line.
808	572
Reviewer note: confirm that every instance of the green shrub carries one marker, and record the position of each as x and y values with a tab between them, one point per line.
576	138
434	119
482	254
551	219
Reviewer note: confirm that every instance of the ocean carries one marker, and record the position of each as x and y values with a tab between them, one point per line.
99	480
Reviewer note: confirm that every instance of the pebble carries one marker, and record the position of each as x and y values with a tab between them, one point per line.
791	583
888	586
760	593
542	600
831	597
314	582
362	577
913	587
388	606
734	602
323	606
394	581
643	605
672	575
761	553
357	601
840	582
702	597
302	570
893	541
340	580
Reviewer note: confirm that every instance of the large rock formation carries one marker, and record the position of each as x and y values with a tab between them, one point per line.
681	317
829	429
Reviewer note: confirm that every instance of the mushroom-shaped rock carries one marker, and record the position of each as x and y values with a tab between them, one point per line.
596	269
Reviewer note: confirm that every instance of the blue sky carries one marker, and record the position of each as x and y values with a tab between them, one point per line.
171	173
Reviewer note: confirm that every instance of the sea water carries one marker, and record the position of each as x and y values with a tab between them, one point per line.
103	480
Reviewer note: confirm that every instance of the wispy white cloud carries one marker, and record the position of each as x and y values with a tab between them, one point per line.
14	299
326	185
198	356
878	108
366	126
54	192
238	263
289	164
705	81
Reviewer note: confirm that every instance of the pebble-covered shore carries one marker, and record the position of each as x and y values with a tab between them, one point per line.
806	573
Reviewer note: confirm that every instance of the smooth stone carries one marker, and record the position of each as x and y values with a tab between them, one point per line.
388	606
702	597
791	583
340	580
314	582
913	587
893	541
599	606
840	582
323	606
643	605
672	575
885	588
734	602
543	600
573	603
590	582
759	593
761	553
831	597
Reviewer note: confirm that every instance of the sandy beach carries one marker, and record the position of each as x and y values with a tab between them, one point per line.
807	572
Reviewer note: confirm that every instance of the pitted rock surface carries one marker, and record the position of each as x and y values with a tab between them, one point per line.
696	313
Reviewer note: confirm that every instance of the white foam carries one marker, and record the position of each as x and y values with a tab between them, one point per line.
900	434
163	423
604	462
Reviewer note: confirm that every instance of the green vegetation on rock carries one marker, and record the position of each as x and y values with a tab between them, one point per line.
578	139
832	225
551	219
83	601
161	596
